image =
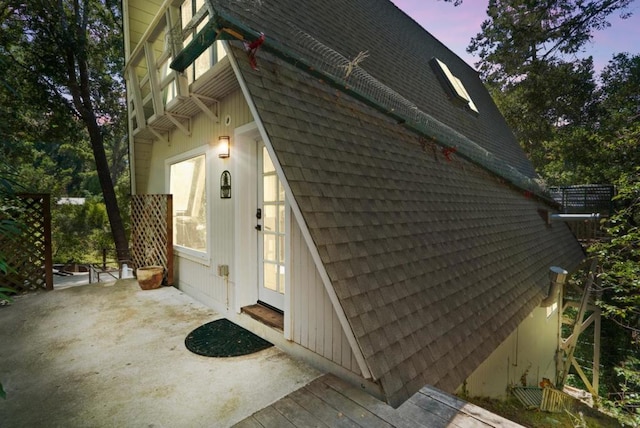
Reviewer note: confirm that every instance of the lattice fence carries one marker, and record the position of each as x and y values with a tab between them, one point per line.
27	251
152	233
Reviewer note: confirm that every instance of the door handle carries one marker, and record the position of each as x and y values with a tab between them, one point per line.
259	216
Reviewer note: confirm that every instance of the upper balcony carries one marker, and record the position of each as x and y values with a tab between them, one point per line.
161	99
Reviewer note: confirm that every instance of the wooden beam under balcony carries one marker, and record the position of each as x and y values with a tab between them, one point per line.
199	44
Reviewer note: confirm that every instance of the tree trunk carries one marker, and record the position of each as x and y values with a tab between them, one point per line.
79	84
108	192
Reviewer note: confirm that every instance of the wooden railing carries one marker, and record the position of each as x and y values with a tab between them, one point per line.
152	233
155	91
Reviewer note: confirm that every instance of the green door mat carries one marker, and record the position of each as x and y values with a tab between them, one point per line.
222	338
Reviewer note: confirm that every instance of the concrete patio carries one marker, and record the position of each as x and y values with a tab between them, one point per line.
112	355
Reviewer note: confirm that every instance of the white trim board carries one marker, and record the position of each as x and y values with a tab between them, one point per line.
357	352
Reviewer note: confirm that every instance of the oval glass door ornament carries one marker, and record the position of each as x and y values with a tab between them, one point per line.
225	185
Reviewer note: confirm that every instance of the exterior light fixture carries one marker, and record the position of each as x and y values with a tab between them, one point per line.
224	143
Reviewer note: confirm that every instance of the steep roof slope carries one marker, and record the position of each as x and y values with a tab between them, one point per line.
398	50
434	260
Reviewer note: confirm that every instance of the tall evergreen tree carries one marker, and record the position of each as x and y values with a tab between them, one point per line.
527	54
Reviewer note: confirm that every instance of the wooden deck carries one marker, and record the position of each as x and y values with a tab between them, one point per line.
330	402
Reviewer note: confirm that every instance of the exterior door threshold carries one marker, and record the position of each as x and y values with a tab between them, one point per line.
266	314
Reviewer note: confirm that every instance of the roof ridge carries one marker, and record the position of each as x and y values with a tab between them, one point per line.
330	66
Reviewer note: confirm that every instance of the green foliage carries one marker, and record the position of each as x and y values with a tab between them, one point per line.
555	97
576	415
577	129
4	294
624	403
522	35
80	232
7	227
527	56
620	256
64	61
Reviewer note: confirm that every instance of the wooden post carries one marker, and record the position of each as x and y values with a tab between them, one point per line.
596	350
169	240
48	258
154	84
559	348
570	344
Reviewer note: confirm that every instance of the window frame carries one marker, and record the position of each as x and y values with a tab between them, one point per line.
454	87
202	257
215	52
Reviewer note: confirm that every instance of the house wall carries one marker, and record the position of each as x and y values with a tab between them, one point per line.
315	324
528	353
199	277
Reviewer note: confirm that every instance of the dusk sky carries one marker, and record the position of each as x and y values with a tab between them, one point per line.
455	26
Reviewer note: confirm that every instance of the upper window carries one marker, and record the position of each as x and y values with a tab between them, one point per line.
189	10
453	85
187	184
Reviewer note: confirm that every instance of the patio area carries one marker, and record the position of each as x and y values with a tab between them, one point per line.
110	354
113	355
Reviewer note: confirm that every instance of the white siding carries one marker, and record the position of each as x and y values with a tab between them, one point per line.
315	324
529	352
200	278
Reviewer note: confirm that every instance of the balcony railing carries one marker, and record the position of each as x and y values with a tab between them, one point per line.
161	99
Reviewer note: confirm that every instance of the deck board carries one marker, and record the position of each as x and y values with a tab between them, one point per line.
249	422
297	414
270	417
331	402
383	410
345	405
468	408
321	410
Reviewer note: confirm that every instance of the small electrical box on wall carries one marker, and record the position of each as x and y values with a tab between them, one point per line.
223	270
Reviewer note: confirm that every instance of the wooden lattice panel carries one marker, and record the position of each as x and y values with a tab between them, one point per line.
27	253
152	233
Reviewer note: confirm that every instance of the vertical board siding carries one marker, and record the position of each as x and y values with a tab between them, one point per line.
315	323
201	279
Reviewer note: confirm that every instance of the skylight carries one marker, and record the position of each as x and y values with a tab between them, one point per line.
453	85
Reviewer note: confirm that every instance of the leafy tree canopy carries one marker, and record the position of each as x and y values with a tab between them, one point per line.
66	58
522	35
527	56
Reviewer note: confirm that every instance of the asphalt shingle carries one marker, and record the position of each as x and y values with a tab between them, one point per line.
434	260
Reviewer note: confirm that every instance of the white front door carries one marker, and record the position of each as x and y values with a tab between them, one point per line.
271	228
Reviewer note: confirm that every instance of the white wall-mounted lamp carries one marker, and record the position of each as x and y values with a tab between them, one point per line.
224	143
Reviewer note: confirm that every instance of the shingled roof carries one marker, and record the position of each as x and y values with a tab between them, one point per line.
434	259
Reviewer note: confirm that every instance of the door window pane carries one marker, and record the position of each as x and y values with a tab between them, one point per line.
270	221
270	188
270	247
271	276
267	165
